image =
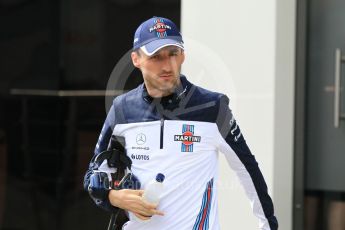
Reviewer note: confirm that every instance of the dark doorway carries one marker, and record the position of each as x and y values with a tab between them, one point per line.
49	50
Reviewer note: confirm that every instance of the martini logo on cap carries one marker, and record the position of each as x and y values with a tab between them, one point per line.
160	28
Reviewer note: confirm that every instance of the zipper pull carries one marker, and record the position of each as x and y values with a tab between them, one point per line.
162	133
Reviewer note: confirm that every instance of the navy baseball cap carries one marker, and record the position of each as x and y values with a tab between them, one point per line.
156	33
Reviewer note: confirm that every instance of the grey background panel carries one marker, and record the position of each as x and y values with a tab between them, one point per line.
325	158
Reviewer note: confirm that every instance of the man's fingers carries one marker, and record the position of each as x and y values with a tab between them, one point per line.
142	217
144	211
134	192
131	200
150	213
138	199
148	205
159	213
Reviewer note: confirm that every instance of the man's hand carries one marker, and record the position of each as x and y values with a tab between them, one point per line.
131	200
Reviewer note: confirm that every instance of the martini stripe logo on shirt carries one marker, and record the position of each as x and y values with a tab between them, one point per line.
202	219
187	138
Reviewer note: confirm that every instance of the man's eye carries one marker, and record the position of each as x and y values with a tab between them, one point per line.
174	53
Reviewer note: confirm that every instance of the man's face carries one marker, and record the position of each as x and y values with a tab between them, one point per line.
161	71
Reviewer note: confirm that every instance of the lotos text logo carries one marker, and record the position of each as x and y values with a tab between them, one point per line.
160	28
187	138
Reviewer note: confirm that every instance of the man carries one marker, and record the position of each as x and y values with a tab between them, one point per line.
176	128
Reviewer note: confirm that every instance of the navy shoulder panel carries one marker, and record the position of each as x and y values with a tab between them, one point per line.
201	105
131	107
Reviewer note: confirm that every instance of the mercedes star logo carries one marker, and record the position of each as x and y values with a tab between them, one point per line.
141	139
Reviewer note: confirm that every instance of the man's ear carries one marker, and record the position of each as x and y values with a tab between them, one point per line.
183	56
135	59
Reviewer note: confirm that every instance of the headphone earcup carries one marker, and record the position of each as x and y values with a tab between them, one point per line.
99	185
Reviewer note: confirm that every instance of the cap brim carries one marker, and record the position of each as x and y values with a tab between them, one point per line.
156	45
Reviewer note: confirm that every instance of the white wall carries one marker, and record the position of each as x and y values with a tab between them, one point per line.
246	50
284	110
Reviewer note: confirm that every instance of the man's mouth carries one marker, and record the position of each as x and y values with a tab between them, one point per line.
165	76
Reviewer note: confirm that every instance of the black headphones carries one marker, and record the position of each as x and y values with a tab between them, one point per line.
112	170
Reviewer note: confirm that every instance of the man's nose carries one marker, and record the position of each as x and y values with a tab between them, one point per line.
168	64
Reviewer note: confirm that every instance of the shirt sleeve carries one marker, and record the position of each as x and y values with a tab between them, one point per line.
242	161
101	146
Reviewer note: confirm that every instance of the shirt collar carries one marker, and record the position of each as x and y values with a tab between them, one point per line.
179	93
